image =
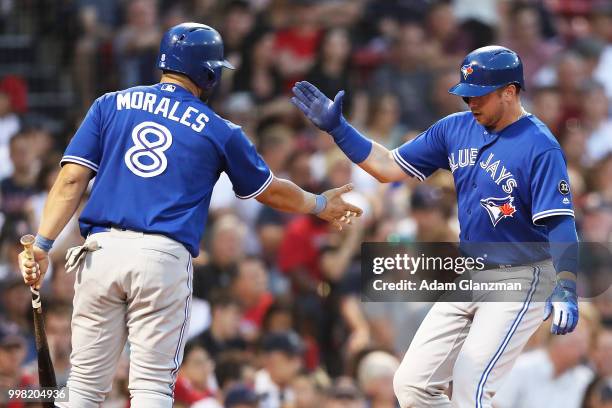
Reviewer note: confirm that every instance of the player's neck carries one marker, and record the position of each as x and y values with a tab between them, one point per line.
180	80
511	115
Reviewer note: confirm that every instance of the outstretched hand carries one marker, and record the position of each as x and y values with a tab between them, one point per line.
317	107
337	211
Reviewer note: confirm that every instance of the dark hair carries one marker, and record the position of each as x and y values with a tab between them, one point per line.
191	346
221	298
230	366
279	306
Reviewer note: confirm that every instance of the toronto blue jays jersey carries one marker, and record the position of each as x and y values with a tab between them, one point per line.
157	152
506	182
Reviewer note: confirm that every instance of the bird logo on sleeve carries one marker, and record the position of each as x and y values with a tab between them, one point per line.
498	208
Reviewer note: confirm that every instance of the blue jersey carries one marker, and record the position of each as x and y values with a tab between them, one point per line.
506	182
157	152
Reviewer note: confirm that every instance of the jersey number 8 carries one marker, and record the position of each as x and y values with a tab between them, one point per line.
146	158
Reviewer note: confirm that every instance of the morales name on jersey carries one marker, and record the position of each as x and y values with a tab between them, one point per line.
174	110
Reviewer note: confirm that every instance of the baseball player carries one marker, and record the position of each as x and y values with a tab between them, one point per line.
156	153
512	186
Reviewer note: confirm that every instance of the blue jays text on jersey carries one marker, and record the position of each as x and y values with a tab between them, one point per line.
506	182
157	152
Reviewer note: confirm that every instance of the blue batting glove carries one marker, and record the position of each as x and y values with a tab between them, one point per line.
317	107
564	302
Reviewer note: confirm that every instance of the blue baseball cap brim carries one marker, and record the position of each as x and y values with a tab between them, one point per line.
470	90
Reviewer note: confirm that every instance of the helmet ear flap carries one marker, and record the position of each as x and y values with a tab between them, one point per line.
212	77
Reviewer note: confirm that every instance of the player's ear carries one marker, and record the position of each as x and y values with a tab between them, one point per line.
511	91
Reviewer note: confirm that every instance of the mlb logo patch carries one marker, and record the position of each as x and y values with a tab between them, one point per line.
168	87
498	208
467	70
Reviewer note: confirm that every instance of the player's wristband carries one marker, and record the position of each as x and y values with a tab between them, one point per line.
356	146
43	243
567	284
320	204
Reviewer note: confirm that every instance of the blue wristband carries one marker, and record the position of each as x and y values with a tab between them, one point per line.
356	146
43	243
567	284
320	204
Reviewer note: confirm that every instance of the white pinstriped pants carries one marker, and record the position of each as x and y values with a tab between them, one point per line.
474	344
136	287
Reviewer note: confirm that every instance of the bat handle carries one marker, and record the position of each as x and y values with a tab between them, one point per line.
28	243
36	303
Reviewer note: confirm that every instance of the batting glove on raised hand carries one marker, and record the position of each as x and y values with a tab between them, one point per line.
564	302
317	107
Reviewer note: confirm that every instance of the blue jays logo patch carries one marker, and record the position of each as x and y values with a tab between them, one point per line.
466	70
498	208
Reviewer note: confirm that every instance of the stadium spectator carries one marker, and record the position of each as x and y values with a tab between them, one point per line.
407	76
331	68
192	383
20	186
383	120
250	287
12	354
447	40
442	104
546	105
258	72
16	303
9	126
57	328
233	368
296	45
226	247
343	394
596	121
375	378
224	331
306	390
601	356
238	22
281	361
241	397
526	38
555	375
94	35
136	44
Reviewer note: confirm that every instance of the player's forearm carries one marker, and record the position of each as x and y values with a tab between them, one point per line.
63	199
563	245
284	195
381	165
372	157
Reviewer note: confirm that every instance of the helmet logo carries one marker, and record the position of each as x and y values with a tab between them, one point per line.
466	70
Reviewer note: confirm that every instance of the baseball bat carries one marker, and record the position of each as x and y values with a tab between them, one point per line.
46	372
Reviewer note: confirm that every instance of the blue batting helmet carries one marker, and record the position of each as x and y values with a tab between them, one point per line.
487	69
195	50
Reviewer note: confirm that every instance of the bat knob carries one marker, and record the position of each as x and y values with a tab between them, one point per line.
27	240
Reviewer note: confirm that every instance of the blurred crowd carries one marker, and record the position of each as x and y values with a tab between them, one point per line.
276	317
